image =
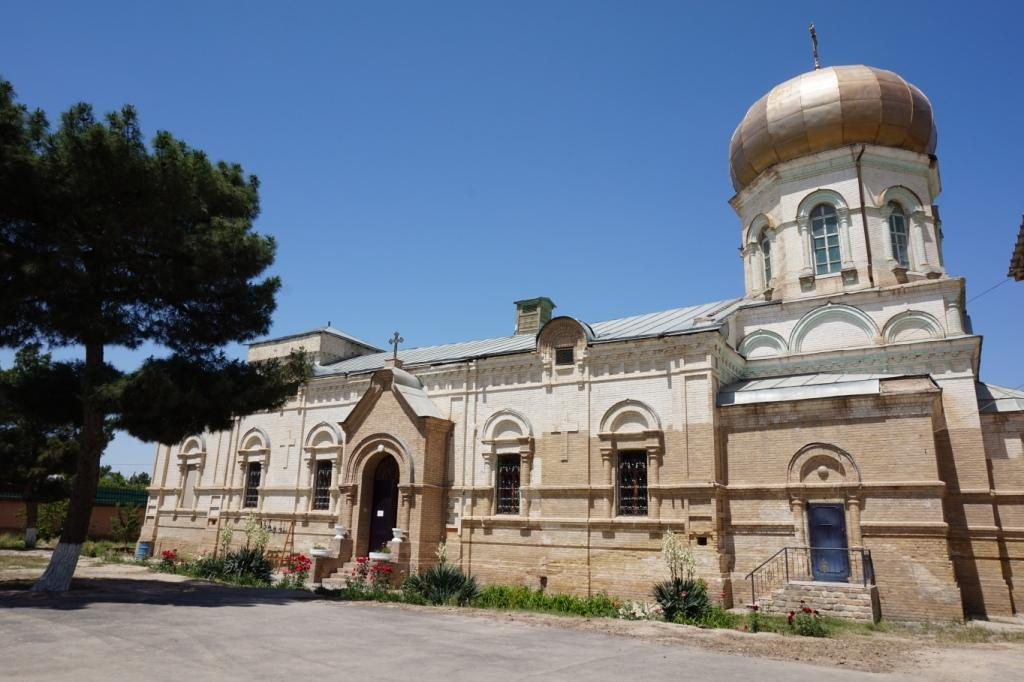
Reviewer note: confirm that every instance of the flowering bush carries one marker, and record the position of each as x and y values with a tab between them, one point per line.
370	576
168	558
638	610
806	622
296	570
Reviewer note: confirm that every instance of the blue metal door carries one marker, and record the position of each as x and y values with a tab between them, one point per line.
829	558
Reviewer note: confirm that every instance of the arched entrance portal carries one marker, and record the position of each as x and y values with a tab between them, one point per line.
384	510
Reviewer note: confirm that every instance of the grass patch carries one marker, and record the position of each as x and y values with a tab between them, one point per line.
17	541
13	563
518	597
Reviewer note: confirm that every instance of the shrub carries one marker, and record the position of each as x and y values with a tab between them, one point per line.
208	567
756	620
126	525
807	622
248	565
442	584
688	598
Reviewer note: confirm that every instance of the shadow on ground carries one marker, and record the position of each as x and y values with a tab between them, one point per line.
86	591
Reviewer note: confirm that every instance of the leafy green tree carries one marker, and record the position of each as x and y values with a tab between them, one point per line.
139	479
39	411
106	240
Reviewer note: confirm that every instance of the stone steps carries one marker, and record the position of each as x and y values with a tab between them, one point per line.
839	600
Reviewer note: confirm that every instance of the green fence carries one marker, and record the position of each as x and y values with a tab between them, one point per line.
105	496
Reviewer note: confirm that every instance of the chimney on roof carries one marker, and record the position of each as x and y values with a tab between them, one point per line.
532	314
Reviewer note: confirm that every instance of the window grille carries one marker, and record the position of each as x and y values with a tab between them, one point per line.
322	485
633	484
766	254
564	356
252	484
825	233
898	235
508	484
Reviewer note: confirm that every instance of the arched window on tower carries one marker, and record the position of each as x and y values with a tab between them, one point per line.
898	235
766	256
825	238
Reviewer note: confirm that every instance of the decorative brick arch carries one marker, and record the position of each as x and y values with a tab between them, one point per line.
762	343
822	464
912	325
629	416
324	435
853	318
372	448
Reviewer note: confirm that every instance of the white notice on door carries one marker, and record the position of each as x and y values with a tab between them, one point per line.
380	512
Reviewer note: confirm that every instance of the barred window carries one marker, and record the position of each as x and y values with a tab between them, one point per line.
632	483
252	484
322	485
898	235
564	356
825	234
508	484
766	254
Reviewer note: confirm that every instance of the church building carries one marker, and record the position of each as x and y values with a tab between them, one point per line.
824	436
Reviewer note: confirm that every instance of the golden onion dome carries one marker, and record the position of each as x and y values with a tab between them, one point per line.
826	109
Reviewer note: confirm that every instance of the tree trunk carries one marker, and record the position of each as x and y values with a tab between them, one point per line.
57	576
31	519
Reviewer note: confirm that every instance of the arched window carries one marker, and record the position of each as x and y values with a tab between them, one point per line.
825	236
766	256
898	235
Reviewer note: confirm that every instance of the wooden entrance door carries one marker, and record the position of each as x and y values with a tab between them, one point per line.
829	557
384	510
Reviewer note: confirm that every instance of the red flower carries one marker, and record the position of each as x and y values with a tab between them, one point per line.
805	609
789	618
361	559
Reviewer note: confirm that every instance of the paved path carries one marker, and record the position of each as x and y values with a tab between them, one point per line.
161	631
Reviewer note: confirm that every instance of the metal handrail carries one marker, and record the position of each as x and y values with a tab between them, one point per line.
797	561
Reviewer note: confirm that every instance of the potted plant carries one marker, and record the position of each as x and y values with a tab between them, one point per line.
382	554
319	549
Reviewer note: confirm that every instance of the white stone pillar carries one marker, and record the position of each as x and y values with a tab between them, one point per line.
844	238
885	212
804	230
919	230
954	317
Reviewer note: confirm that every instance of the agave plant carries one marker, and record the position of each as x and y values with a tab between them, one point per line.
688	598
443	584
248	562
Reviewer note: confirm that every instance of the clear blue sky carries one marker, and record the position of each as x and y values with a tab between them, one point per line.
424	164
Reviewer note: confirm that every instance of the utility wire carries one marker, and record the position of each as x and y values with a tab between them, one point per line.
994	286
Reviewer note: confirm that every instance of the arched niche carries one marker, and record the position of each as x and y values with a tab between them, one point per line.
822	464
254	446
507	432
762	343
912	325
832	327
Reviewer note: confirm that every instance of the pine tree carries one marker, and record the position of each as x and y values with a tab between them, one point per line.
39	415
106	240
